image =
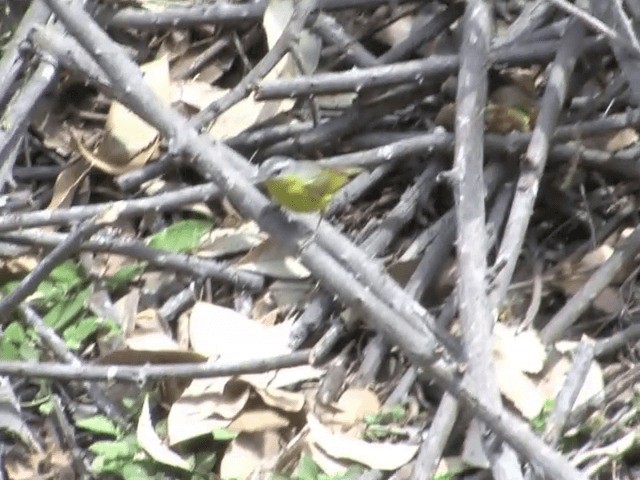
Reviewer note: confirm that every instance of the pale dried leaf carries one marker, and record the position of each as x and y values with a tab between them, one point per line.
129	141
521	390
247	452
151	443
269	260
288	293
381	456
220	331
329	465
149	333
354	404
397	31
66	184
281	399
524	351
554	378
245	114
194	93
258	420
221	242
194	413
622	139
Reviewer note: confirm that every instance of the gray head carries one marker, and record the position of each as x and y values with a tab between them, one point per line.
272	167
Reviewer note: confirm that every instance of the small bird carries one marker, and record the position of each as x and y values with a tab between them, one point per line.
302	186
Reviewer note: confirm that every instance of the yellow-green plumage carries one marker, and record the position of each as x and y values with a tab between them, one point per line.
306	194
302	186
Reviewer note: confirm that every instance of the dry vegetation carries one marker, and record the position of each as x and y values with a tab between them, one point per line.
467	307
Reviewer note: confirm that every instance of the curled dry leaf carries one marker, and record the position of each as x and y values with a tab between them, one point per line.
149	333
153	445
129	141
248	112
329	465
203	407
378	455
221	242
67	183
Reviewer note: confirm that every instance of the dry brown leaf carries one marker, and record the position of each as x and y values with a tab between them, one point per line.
247	452
524	351
397	31
556	373
220	331
66	184
613	141
258	420
151	357
129	141
194	414
269	260
288	293
519	388
149	333
151	443
281	399
220	242
194	93
248	112
381	456
18	265
329	465
354	404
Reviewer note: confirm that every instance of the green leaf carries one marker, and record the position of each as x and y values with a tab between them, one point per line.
98	424
183	236
49	292
9	287
126	447
135	471
125	275
76	334
45	408
539	422
14	333
307	468
8	350
28	351
204	462
66	310
223	435
68	274
394	414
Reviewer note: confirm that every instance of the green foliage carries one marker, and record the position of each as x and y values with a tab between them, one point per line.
378	424
183	236
444	476
65	310
125	275
98	424
64	297
394	414
121	457
309	470
76	334
223	435
539	422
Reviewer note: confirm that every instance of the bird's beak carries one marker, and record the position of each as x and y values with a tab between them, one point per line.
260	177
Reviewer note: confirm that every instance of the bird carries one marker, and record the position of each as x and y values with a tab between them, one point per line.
302	186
